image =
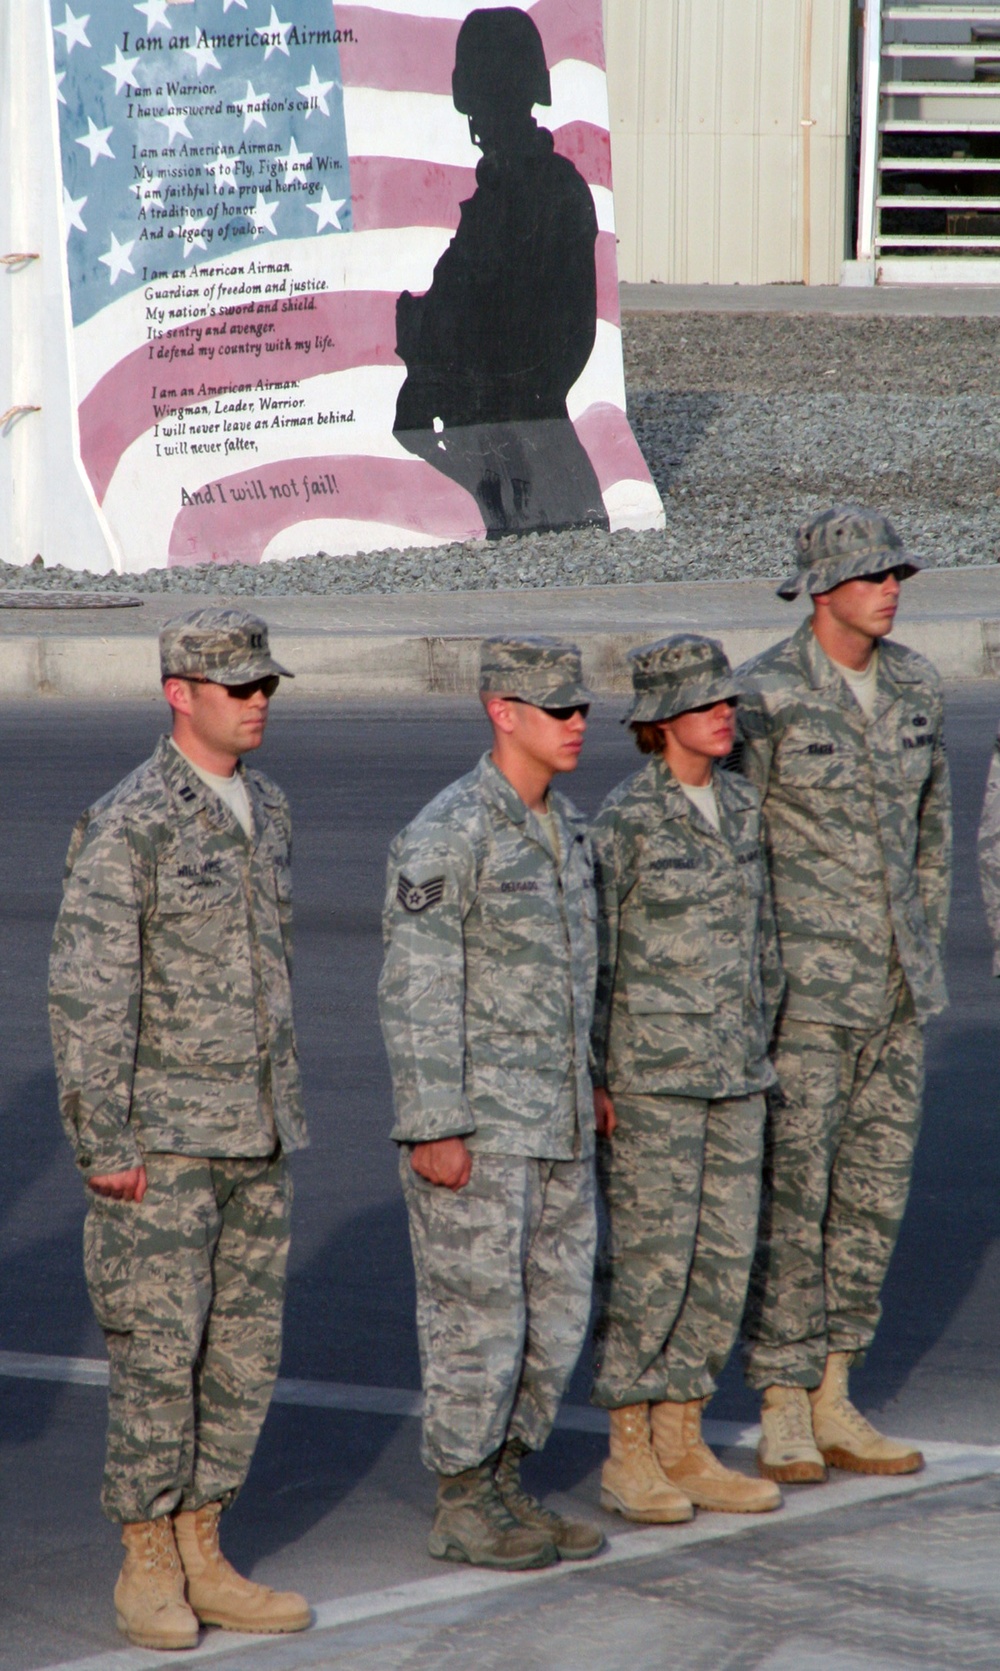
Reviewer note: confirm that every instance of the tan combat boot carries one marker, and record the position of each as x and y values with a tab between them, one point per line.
787	1451
688	1463
472	1523
632	1482
216	1591
575	1540
843	1435
149	1594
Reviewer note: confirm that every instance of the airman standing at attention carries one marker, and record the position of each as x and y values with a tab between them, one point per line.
688	986
486	1000
171	1011
842	736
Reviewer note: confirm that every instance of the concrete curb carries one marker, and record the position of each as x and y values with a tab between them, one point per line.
369	665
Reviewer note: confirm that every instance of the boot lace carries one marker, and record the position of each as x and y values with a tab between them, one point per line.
160	1551
794	1421
851	1417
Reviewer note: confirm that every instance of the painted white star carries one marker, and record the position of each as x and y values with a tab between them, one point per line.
74	29
117	259
202	55
275	26
316	89
123	70
71	212
262	215
60	78
296	161
223	170
327	211
175	124
96	141
227	3
252	116
191	233
155	13
148	191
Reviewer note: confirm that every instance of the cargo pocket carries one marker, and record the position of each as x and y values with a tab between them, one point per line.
109	1238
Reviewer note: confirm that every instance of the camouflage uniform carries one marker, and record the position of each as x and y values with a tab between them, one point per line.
857	814
486	998
171	1015
689	982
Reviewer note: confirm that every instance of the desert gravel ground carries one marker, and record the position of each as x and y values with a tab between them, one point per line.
749	423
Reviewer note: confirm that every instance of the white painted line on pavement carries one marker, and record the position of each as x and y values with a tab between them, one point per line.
401	1401
966	1463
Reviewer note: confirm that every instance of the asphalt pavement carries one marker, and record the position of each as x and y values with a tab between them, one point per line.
854	1574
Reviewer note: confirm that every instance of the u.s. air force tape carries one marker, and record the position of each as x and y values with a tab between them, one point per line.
416	896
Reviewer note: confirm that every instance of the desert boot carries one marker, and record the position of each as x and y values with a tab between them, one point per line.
632	1482
216	1591
787	1451
844	1436
689	1464
575	1540
473	1523
149	1594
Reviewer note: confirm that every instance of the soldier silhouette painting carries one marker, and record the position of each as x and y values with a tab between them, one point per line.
494	347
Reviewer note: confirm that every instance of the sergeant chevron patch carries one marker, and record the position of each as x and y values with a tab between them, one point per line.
416	896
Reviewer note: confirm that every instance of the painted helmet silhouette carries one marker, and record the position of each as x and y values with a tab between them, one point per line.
499	62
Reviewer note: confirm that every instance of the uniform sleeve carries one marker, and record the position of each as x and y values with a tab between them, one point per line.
94	998
989	853
430	887
613	882
934	841
754	745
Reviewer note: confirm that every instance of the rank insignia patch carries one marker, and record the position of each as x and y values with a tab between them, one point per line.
416	896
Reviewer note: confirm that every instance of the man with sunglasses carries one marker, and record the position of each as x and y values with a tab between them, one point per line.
842	736
486	999
171	1015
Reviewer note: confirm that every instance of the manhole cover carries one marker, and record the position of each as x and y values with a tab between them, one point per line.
39	599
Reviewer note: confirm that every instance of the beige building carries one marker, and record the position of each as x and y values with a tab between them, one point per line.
771	141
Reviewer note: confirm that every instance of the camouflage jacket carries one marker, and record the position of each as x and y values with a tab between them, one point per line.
169	983
487	990
689	979
858	821
989	853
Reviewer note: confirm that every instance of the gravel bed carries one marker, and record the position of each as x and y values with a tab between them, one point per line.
749	424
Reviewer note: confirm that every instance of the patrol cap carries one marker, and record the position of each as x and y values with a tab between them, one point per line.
225	646
845	543
677	674
538	670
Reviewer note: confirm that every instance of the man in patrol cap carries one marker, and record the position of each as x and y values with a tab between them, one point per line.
486	998
842	735
171	1017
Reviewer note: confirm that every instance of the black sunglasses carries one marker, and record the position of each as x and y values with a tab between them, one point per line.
242	693
562	714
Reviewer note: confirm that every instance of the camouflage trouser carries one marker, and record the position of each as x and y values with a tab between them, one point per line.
188	1288
504	1271
838	1157
681	1179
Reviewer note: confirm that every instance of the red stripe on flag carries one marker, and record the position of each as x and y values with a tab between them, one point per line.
403	191
610	445
403	492
396	53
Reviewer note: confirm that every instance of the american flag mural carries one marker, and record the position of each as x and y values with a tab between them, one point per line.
256	197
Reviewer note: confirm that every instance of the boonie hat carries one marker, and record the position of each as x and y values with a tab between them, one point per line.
845	543
225	646
677	674
538	670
